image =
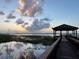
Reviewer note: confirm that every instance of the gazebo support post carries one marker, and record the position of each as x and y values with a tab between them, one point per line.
54	33
72	33
76	33
61	34
67	33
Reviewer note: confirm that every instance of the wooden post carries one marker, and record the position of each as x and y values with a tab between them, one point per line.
72	33
67	33
54	33
76	33
61	34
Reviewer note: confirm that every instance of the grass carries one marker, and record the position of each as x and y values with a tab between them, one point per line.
45	40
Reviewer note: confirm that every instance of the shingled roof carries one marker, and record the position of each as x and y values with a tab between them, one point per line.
65	27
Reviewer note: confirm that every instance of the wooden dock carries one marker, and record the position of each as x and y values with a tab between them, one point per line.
64	50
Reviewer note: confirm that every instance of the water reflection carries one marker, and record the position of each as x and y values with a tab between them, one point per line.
18	50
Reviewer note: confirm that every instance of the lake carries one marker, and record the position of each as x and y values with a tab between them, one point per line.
11	50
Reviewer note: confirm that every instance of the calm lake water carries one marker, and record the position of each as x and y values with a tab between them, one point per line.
10	50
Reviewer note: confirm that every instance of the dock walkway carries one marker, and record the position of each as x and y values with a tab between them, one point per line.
66	50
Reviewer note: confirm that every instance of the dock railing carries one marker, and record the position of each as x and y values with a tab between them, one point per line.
74	40
51	50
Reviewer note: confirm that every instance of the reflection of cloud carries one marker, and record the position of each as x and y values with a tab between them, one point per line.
18	45
2	13
38	25
11	16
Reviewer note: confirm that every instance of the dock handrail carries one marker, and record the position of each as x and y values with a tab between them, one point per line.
50	49
76	41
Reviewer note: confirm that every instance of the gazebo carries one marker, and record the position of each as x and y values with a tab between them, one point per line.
65	27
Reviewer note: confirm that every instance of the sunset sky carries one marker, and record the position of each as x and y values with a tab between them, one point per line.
57	11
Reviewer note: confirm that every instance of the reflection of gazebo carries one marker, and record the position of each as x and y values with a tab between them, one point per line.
66	28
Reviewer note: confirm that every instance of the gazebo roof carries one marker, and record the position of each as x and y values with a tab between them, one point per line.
65	27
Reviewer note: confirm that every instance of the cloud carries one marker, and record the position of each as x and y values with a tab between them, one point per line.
6	20
25	24
19	21
7	1
30	7
45	19
38	25
2	13
11	16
